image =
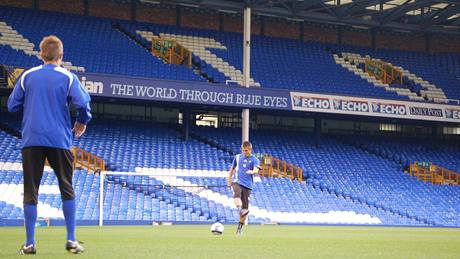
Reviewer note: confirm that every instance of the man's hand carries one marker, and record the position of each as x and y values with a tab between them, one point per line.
79	129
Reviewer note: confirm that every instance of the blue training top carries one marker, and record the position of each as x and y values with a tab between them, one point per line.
242	164
44	94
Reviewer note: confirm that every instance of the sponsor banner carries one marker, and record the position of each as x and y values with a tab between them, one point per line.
312	102
373	107
261	98
424	111
184	92
453	113
389	108
351	105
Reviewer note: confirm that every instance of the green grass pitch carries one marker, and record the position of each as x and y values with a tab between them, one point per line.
196	241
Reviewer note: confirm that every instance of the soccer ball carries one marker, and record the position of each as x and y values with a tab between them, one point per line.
217	228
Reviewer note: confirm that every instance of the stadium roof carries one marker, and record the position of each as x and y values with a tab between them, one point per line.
425	16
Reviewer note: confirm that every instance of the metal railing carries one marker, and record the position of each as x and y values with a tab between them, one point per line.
274	167
171	51
87	160
384	71
434	174
12	74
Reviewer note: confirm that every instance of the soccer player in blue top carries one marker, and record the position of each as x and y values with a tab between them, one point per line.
240	179
44	95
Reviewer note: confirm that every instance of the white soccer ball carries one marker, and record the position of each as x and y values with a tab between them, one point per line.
217	228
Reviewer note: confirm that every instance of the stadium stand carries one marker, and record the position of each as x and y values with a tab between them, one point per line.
276	62
406	150
357	174
175	204
91	43
348	180
150	145
282	63
421	70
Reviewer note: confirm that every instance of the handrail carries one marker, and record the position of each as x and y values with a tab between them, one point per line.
171	51
383	71
434	174
12	75
87	160
274	167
